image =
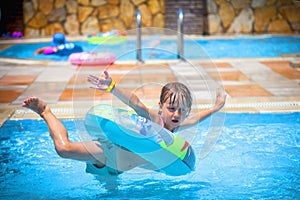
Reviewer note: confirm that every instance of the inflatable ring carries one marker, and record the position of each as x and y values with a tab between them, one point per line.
110	40
92	58
168	152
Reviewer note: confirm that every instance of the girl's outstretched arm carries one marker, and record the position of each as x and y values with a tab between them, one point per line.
105	83
200	116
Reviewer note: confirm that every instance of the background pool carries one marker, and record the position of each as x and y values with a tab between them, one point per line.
238	47
256	157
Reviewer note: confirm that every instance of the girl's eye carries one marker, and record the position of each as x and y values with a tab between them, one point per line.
171	109
183	110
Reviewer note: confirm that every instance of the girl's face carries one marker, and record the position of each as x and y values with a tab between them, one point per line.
172	114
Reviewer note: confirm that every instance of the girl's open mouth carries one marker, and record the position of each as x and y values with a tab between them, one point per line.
175	121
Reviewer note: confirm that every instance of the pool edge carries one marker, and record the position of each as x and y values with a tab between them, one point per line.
67	110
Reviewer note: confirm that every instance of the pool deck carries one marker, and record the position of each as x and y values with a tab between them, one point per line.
252	85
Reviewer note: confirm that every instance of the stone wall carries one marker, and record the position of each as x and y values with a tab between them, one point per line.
253	16
84	17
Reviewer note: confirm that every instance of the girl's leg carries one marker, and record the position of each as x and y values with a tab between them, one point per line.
84	151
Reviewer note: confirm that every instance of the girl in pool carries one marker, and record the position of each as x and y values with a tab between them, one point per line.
102	156
60	46
174	105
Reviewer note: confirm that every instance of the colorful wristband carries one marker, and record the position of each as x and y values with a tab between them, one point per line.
110	87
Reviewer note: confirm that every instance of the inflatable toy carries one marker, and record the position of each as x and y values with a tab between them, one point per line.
63	49
92	58
168	152
110	37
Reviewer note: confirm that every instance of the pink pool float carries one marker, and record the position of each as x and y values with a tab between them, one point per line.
92	58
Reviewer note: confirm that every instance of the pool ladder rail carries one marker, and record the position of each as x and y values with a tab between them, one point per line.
180	34
139	36
180	43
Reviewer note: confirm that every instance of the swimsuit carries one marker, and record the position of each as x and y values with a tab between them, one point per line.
110	167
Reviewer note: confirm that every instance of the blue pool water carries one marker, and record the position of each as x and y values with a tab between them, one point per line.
238	47
256	157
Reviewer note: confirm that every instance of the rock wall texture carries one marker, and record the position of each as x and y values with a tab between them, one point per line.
84	17
253	16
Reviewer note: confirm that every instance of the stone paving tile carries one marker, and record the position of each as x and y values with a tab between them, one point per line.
237	82
8	96
17	80
22	70
12	86
202	86
56	74
158	78
271	81
246	91
228	76
149	92
216	65
49	91
83	95
284	68
78	79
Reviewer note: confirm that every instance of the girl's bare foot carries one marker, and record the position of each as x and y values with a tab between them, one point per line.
35	104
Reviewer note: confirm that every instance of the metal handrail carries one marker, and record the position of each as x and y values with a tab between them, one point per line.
139	36
180	34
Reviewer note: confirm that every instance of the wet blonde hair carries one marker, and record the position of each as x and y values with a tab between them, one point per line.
177	92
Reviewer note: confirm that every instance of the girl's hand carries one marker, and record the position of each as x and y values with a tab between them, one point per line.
100	83
220	100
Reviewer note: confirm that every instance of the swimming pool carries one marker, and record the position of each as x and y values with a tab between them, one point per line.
256	157
264	46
